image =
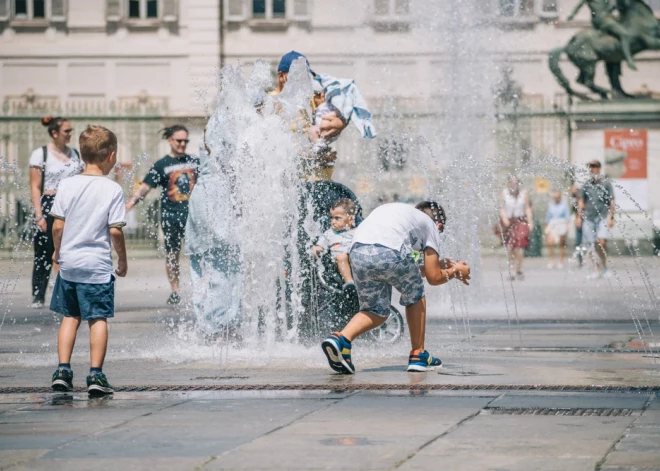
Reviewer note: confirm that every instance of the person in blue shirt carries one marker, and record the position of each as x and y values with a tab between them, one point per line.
556	228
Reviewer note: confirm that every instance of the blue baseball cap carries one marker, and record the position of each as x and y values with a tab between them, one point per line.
288	58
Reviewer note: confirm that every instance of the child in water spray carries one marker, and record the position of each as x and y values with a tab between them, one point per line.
381	257
339	237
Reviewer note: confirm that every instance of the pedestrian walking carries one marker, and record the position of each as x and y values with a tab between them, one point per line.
596	215
556	228
49	165
516	220
176	174
89	215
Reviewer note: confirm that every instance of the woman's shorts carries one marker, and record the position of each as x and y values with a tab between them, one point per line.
174	228
376	269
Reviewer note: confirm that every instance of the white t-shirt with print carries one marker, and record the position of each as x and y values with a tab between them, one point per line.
400	227
56	169
89	205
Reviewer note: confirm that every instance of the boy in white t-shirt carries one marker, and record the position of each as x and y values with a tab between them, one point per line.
89	213
381	258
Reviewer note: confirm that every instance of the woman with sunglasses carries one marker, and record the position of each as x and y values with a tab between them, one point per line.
49	165
176	174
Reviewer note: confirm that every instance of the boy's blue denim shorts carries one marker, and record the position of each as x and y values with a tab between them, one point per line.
376	269
87	300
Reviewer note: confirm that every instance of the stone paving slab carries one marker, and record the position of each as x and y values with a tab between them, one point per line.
95	464
639	447
274	430
519	443
647	461
16	457
362	432
519	400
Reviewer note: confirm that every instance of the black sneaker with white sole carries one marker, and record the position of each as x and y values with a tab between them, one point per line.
97	385
62	380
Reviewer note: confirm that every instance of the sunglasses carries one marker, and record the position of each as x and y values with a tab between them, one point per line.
67	131
182	141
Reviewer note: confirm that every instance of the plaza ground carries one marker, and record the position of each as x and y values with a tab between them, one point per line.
553	372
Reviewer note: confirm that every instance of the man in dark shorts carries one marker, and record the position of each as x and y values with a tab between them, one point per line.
176	174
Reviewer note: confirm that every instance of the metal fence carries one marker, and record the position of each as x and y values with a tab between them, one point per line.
531	132
136	123
526	131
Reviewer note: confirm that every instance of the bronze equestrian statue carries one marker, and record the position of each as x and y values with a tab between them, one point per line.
611	41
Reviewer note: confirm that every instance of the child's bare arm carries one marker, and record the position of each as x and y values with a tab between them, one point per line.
317	250
321	245
437	275
58	229
446	263
117	237
331	126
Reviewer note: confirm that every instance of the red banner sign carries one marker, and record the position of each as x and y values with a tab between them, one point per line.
626	153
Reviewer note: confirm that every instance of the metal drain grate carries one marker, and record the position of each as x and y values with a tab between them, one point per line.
578	412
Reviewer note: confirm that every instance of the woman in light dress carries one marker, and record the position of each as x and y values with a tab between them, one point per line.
556	228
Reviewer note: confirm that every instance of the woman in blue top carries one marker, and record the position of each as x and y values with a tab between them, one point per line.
556	221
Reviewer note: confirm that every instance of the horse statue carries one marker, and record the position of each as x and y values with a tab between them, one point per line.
588	47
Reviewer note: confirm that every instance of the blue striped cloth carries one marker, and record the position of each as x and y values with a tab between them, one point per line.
345	96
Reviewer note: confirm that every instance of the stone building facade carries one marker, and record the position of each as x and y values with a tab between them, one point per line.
168	49
109	50
398	48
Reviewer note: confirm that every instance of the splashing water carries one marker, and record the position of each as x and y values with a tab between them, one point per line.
252	146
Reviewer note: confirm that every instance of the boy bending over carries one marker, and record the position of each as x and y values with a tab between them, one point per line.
339	238
381	258
89	213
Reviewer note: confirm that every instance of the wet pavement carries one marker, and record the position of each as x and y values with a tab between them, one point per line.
504	347
327	429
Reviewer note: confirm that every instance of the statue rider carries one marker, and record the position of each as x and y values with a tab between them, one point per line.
603	20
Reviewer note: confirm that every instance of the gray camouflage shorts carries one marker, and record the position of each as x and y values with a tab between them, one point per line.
376	269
